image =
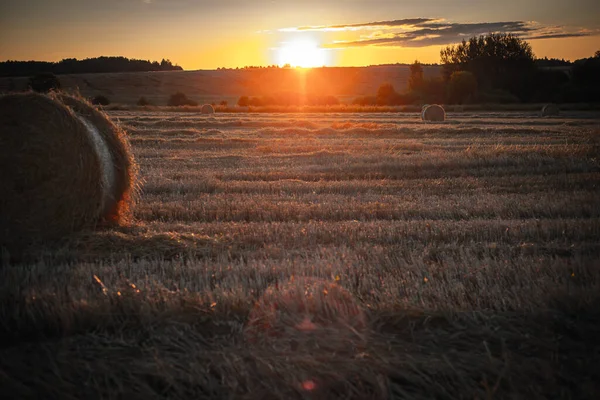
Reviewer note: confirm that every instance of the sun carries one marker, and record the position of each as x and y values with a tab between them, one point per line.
301	53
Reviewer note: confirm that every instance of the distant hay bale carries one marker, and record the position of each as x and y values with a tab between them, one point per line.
308	312
434	113
64	167
550	110
208	109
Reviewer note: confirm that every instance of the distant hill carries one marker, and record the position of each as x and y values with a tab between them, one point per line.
87	66
227	84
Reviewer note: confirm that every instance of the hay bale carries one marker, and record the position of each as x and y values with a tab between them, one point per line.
550	110
434	113
62	169
208	109
308	313
121	192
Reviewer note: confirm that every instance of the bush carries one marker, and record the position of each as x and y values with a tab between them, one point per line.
223	103
44	83
180	99
100	101
462	87
497	96
257	102
244	101
365	101
143	102
386	94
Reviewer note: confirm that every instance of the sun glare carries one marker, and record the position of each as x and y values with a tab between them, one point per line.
302	53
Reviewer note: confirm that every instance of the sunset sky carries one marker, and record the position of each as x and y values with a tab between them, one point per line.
200	34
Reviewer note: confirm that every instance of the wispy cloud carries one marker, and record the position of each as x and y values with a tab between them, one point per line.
422	32
378	24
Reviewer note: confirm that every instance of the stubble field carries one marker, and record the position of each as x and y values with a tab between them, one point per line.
472	247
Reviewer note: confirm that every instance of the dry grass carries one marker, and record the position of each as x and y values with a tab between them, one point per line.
471	247
347	108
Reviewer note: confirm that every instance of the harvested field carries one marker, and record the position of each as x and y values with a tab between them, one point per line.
472	247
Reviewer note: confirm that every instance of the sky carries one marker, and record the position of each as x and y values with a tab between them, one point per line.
201	34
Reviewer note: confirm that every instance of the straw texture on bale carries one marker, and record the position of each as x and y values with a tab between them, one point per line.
120	196
208	109
550	110
434	113
308	313
423	110
55	170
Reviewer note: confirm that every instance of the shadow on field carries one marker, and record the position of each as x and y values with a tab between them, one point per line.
133	242
123	342
540	354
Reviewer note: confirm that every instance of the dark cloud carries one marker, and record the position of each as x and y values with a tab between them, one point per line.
422	32
559	35
383	24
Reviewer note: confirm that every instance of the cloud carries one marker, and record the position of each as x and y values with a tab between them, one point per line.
379	24
561	35
422	32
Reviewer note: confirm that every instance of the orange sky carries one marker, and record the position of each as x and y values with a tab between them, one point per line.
199	34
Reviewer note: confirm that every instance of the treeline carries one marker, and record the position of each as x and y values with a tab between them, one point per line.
87	66
496	68
288	99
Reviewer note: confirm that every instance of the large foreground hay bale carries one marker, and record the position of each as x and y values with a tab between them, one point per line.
550	110
64	167
208	109
119	163
434	113
308	314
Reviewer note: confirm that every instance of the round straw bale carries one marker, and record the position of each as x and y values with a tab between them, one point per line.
53	171
434	113
116	156
423	109
550	110
308	312
208	109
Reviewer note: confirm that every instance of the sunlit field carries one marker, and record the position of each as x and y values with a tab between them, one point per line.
472	248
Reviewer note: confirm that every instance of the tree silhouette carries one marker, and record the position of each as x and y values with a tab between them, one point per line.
498	61
89	65
415	81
